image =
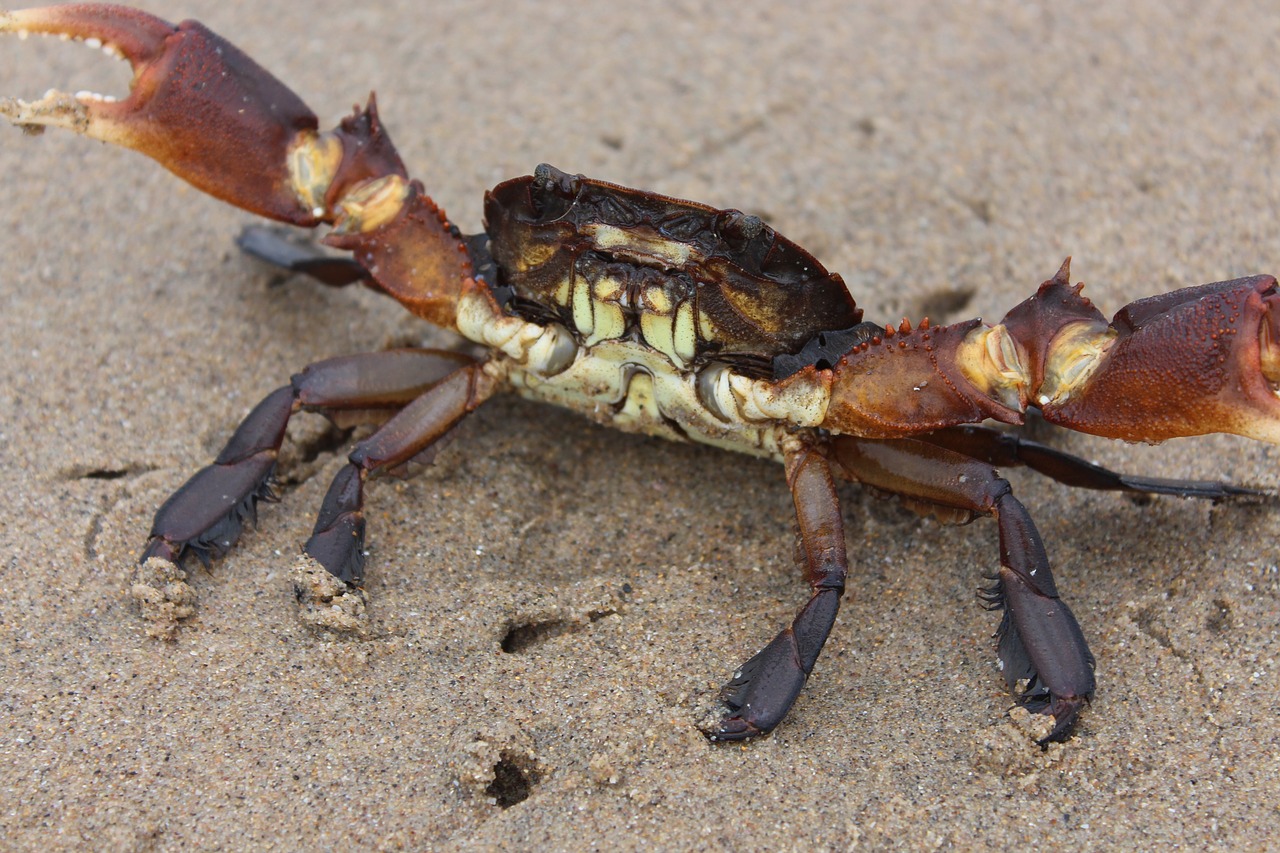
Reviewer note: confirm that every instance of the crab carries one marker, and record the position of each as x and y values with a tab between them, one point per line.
656	315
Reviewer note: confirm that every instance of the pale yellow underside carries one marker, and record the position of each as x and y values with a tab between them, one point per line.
635	387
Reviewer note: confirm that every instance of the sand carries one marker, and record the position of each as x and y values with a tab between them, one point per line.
552	607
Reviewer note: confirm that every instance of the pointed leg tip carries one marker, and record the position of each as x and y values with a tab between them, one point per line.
1065	713
733	728
1048	719
162	550
340	549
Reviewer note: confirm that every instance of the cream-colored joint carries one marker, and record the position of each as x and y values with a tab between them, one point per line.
542	350
370	205
734	398
314	159
1074	355
994	363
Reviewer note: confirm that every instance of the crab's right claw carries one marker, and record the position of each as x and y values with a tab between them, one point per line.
208	113
197	105
1198	360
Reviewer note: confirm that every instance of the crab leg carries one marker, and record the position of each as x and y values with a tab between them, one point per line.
205	515
1005	449
270	247
211	115
764	688
1040	640
337	542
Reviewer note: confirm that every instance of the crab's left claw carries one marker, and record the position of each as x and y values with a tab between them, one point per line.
197	105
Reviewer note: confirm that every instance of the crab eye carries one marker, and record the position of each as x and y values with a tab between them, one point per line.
553	192
738	229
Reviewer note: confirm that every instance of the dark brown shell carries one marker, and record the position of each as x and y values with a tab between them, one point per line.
757	294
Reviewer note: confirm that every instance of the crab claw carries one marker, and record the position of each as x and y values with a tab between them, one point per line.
197	105
1199	360
211	115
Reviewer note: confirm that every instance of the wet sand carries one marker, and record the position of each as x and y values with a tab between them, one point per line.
553	606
